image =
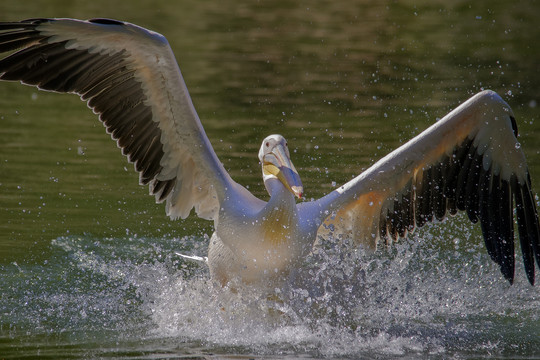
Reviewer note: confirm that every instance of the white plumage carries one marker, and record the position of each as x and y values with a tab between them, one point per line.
470	160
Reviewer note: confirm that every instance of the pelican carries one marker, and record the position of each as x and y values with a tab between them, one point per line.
470	160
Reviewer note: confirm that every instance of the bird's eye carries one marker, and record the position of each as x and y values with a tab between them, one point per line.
267	144
286	145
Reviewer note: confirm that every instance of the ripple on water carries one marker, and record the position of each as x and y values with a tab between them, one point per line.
423	296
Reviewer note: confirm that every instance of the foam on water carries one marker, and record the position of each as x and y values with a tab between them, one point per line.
418	299
423	296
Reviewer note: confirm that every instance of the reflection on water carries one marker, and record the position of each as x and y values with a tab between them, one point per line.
87	260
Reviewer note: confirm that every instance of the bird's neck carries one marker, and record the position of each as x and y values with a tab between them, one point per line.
280	212
280	196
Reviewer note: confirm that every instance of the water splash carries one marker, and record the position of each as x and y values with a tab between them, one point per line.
432	294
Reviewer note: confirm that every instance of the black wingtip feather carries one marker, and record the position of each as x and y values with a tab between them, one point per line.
514	126
104	21
533	227
527	227
504	232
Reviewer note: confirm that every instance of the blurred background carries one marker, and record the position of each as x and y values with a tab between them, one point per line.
344	81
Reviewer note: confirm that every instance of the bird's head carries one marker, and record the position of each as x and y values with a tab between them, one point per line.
276	163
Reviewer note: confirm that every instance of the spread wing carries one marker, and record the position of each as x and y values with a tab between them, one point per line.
129	76
470	160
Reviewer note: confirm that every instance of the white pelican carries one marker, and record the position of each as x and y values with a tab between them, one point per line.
470	160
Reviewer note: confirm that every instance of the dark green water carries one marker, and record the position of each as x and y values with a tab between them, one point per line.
87	260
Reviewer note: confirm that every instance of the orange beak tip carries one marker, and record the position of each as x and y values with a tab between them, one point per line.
298	191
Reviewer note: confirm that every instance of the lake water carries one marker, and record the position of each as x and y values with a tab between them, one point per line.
87	260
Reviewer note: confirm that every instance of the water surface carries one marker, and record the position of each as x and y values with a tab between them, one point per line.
88	260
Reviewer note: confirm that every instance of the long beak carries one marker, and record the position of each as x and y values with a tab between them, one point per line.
279	164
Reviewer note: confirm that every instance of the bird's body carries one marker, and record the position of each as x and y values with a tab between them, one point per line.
469	160
259	241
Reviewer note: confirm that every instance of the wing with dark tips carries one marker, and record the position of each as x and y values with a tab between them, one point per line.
471	161
129	76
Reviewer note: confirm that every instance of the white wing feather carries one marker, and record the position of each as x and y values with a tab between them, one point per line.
129	76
